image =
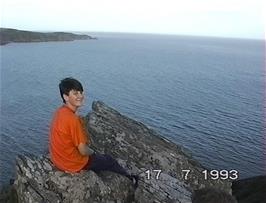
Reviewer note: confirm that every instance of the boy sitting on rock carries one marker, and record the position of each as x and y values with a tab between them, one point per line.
68	141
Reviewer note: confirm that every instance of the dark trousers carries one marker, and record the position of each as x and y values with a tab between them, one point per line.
104	162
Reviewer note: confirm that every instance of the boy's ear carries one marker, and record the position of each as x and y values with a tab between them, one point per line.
65	97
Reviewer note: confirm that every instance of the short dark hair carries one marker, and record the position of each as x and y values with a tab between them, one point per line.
212	195
68	84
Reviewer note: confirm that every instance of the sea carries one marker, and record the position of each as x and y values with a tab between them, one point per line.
203	93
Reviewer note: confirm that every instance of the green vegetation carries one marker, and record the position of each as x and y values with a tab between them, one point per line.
13	35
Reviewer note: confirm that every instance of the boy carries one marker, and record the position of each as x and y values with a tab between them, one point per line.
68	141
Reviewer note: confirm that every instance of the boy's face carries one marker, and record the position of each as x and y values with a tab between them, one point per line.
74	99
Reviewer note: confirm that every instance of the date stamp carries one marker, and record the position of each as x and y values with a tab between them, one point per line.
155	173
214	174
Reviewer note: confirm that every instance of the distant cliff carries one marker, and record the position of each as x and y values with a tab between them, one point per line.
13	35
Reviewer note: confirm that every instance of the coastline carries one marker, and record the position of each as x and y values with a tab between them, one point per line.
8	35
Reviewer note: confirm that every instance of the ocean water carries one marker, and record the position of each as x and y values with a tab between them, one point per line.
203	93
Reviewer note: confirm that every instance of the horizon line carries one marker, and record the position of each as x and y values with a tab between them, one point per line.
136	32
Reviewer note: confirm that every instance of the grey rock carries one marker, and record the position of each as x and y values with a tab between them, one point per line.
8	194
250	190
157	161
57	186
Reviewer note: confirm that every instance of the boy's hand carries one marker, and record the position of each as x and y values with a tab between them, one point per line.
85	150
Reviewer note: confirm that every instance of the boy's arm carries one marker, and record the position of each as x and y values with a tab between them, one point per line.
83	148
84	127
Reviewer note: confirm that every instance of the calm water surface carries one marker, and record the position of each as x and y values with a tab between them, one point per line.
205	94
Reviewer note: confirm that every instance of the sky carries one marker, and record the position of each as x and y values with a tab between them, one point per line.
222	18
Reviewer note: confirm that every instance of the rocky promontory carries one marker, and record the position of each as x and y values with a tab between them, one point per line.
12	35
159	163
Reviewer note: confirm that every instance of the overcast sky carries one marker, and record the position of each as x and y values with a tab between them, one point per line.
225	18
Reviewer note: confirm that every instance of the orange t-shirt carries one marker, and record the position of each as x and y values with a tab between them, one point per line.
66	133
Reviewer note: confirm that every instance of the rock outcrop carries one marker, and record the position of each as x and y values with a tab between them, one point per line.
250	190
39	181
159	163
